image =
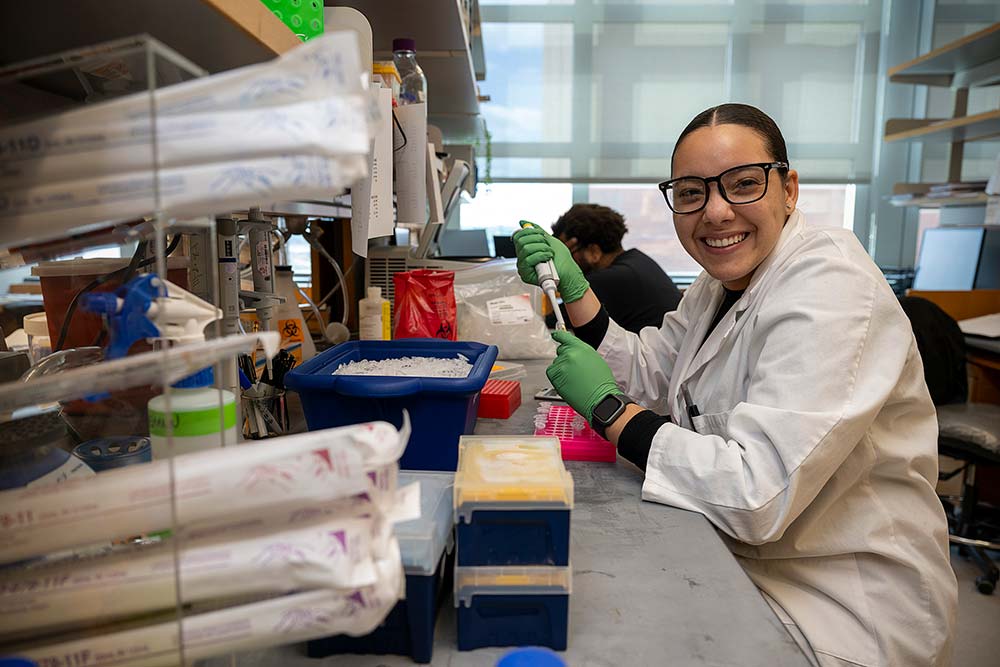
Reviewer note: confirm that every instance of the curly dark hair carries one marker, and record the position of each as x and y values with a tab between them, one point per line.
592	223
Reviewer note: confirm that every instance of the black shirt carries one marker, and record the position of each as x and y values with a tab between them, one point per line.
635	290
729	299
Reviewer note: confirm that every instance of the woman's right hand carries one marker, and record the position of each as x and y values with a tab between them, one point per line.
534	246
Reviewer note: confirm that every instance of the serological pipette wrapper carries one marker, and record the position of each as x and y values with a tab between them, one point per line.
282	620
334	552
296	127
209	486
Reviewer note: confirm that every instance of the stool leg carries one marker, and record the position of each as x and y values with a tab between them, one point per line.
969	500
985	583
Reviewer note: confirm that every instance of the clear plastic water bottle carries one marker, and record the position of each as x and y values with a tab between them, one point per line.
413	87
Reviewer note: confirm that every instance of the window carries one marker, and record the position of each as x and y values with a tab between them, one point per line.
499	207
605	86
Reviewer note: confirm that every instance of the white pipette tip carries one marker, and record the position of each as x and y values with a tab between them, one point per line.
560	322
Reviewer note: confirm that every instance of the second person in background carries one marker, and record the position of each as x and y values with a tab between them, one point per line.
630	284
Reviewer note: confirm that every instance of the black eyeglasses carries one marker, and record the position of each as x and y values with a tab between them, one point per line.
740	185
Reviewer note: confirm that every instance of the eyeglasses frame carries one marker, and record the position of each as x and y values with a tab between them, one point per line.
766	166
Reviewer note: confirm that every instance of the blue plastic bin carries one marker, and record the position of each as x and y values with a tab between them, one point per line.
424	545
512	607
441	409
407	630
514	537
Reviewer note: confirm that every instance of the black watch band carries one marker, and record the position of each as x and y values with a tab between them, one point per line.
607	410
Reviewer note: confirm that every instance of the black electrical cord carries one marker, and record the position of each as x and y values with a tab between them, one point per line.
138	261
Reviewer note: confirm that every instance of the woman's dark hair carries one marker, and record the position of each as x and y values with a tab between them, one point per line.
747	116
592	223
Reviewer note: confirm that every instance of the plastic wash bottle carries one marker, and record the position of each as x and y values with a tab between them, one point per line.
374	311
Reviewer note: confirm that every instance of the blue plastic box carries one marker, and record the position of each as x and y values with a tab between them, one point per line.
513	497
514	537
527	606
441	409
409	627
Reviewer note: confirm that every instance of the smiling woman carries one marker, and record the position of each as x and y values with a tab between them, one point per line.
729	234
784	399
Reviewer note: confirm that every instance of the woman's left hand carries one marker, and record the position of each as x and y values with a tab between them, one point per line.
580	374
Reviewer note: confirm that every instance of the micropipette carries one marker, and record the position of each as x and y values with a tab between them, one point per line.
548	280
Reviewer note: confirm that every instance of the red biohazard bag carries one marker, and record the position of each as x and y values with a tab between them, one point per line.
425	304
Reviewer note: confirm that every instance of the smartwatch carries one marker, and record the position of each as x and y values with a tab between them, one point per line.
607	411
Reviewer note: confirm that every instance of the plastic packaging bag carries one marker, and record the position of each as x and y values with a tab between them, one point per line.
425	304
496	308
280	620
333	552
209	487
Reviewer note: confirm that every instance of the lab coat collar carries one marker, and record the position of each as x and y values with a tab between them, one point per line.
704	352
793	226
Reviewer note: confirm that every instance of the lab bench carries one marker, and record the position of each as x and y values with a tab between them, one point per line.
652	584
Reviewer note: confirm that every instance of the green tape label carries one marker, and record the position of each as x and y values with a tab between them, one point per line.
193	422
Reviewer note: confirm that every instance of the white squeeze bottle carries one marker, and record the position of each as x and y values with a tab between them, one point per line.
376	323
198	419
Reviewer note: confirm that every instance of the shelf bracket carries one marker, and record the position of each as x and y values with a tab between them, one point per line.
958	147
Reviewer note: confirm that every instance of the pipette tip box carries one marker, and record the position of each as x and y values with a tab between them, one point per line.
512	606
499	399
424	544
513	497
577	444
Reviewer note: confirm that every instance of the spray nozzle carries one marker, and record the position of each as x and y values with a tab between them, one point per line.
148	307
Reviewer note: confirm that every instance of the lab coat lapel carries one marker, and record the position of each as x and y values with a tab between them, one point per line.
709	303
695	354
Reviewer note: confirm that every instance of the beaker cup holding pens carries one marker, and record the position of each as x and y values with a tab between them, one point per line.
265	414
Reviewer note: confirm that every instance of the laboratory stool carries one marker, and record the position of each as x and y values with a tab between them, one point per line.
970	432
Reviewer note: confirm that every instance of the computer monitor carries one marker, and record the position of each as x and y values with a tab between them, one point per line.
988	274
503	246
958	258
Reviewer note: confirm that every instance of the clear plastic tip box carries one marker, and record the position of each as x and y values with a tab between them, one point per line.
512	606
424	544
513	497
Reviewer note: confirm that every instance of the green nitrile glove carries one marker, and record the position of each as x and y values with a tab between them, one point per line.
534	245
580	374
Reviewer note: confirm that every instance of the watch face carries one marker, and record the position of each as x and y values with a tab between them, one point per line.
606	409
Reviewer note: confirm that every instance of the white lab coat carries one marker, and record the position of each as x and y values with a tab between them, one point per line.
815	453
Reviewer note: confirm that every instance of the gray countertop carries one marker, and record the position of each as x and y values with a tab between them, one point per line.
652	584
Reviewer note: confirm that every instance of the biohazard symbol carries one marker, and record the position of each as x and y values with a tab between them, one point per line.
444	331
291	329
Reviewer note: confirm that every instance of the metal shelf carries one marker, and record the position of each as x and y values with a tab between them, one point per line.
973	60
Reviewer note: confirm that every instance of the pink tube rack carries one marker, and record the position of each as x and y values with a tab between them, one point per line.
584	445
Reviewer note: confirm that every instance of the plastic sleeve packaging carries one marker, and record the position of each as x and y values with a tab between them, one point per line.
214	564
183	191
327	128
283	620
324	67
296	127
220	484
